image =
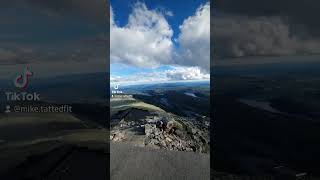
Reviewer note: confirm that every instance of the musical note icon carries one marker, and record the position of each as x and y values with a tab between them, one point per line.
22	80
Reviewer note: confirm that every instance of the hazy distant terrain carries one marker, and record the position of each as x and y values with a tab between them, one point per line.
184	99
267	115
38	145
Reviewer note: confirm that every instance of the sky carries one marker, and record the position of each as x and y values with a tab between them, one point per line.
249	28
53	37
159	41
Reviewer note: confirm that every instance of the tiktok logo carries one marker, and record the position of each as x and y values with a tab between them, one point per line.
22	80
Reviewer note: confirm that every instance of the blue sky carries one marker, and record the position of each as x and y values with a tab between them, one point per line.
151	40
180	9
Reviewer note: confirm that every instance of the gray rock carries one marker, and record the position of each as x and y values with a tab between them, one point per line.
181	134
149	129
163	144
194	131
147	140
117	136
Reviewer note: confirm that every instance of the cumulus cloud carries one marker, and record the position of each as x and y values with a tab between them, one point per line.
54	37
194	39
142	78
177	73
94	9
238	36
186	73
67	36
144	42
298	12
139	78
265	27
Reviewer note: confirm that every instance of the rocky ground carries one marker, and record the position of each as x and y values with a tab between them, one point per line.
160	130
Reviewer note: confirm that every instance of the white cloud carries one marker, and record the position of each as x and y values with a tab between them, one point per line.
144	42
147	41
241	36
175	74
194	39
139	78
187	73
169	13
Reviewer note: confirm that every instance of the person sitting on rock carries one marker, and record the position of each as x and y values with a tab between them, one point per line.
161	125
172	126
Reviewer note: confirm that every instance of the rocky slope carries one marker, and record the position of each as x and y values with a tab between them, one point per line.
160	130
